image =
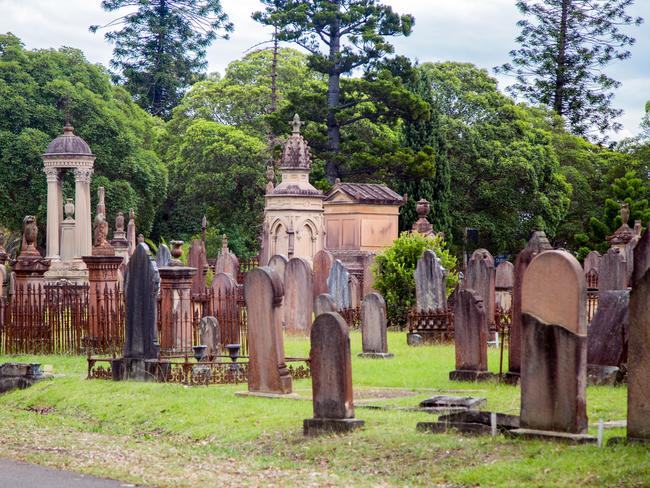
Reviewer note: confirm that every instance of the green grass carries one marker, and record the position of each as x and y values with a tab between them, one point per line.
171	435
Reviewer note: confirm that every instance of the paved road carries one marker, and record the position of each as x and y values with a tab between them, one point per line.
22	475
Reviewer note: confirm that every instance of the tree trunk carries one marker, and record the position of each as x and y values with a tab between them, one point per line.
333	100
560	71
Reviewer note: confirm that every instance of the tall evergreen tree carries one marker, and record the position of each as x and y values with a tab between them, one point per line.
160	47
564	45
340	35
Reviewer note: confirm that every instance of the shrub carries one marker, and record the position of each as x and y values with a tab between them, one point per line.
394	272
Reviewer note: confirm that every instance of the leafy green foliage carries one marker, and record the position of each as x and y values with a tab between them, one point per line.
562	52
160	48
36	89
395	267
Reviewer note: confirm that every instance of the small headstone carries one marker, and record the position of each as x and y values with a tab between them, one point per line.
298	297
430	283
163	256
355	292
323	261
613	271
414	340
210	335
338	284
470	338
267	371
505	275
373	327
480	277
331	372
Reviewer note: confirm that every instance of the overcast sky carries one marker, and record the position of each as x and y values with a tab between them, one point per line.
477	31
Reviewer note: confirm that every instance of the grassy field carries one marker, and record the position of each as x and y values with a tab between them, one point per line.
171	435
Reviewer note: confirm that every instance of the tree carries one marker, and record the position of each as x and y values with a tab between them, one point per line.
34	86
561	56
340	35
160	49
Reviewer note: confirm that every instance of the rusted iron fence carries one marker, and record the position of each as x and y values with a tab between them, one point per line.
432	325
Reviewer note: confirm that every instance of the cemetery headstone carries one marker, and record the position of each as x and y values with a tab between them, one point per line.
504	282
323	261
267	371
338	284
278	263
196	259
430	283
554	332
592	261
223	291
227	262
373	327
298	297
163	256
324	303
480	277
331	372
355	292
470	338
210	336
613	271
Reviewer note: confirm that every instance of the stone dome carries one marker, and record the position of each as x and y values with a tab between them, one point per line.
68	144
296	154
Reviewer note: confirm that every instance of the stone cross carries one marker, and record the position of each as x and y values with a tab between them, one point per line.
267	371
373	327
298	296
338	284
331	373
322	264
324	303
613	273
470	337
430	283
163	256
481	277
554	336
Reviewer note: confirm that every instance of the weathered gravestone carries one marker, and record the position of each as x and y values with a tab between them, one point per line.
224	304
480	277
613	271
338	284
355	292
324	303
537	244
227	262
278	263
197	259
554	333
267	371
373	327
430	283
323	261
331	373
638	364
163	256
210	336
607	338
592	261
141	285
470	338
298	296
504	282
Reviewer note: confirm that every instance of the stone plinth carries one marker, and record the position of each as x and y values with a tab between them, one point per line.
102	296
176	308
29	272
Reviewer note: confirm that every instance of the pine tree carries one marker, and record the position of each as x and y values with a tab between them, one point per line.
564	45
160	48
340	35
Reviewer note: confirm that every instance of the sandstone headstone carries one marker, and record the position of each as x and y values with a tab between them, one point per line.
373	327
210	335
323	261
613	271
504	281
480	277
638	365
368	275
537	244
324	303
163	256
355	292
227	262
223	290
267	371
298	297
430	283
554	373
470	338
331	372
278	263
197	259
592	261
338	284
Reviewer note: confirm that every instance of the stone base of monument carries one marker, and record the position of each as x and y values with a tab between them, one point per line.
464	375
443	401
263	394
604	375
504	421
376	355
135	369
511	378
19	375
553	436
313	427
463	427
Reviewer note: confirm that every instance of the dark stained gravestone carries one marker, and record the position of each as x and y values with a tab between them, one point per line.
470	337
607	338
430	283
298	296
373	327
613	271
554	371
210	335
163	256
331	372
537	244
480	277
338	283
324	303
267	371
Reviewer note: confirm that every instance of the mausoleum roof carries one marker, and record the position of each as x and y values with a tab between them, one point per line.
68	144
296	154
367	193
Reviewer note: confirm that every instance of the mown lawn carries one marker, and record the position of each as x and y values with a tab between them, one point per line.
171	435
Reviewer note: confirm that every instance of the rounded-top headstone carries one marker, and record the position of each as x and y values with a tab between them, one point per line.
505	275
324	303
163	256
373	324
592	261
278	263
554	291
298	295
323	261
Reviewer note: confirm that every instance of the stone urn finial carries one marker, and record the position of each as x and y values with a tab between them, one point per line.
422	208
295	124
176	252
119	222
625	212
30	233
68	209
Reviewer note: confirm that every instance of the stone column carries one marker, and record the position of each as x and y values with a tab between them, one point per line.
176	308
83	218
54	211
